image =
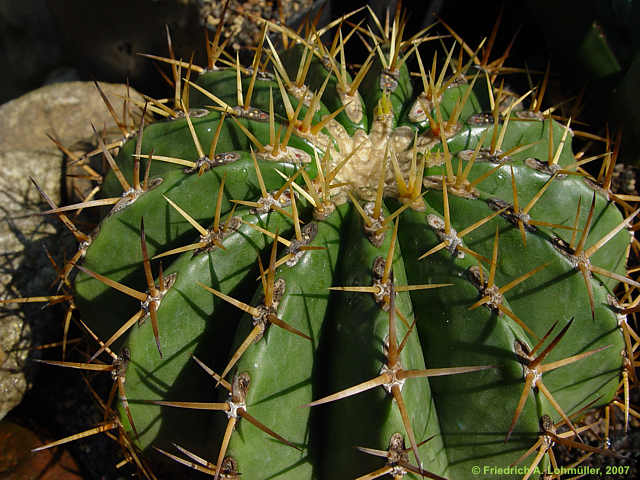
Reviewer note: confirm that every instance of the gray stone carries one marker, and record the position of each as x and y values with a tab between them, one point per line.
15	338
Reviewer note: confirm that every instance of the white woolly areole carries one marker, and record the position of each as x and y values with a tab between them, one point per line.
234	408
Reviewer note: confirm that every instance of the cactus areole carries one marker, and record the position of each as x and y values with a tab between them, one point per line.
321	270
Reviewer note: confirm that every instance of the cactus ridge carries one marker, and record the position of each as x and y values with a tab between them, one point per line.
372	268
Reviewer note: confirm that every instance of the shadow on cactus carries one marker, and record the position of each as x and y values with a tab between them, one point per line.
321	270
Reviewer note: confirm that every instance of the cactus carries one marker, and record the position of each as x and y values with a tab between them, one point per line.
312	274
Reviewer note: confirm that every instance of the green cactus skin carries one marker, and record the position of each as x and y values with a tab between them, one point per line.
355	333
349	332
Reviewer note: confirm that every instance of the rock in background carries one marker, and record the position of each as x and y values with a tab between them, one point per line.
62	110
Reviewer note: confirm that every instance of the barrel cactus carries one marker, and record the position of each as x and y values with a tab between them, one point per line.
311	270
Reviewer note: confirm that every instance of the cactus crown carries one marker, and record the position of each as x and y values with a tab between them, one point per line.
416	250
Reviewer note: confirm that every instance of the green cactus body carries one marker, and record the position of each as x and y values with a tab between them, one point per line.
358	332
285	385
382	153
